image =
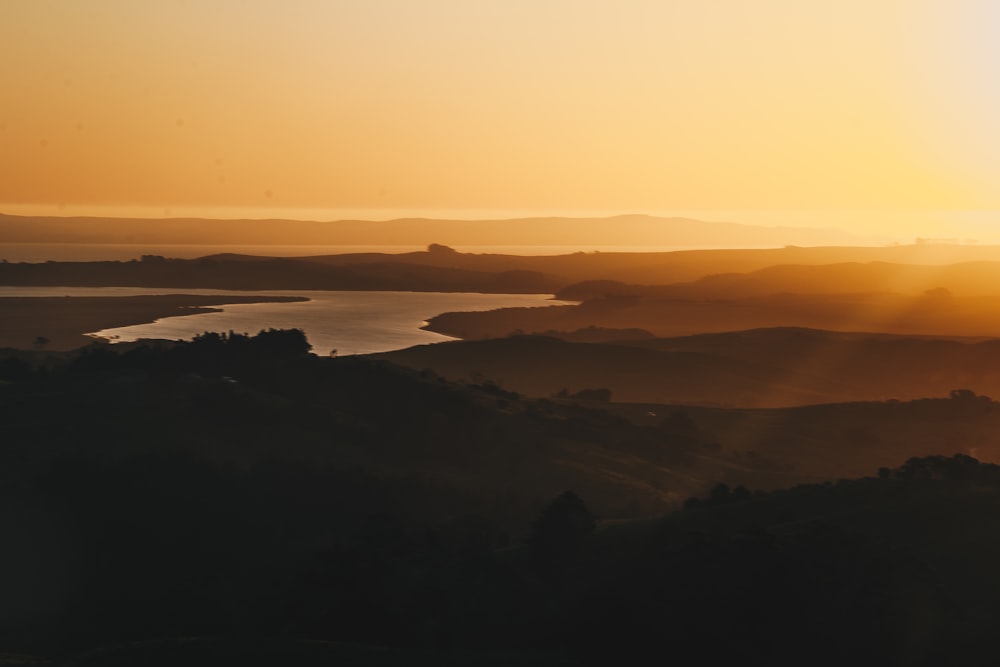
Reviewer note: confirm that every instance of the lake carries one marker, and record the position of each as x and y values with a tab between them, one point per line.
349	322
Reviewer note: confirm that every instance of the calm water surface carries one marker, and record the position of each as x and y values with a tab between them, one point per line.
350	322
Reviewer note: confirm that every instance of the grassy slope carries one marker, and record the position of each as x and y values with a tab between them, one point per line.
758	368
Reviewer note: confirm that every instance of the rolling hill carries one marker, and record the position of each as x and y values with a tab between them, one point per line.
757	368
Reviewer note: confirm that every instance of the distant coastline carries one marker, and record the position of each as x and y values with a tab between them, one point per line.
619	230
117	252
969	225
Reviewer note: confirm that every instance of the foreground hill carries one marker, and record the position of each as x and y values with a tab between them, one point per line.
235	500
895	570
186	488
238	400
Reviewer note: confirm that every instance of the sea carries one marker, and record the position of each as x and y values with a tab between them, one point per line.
335	322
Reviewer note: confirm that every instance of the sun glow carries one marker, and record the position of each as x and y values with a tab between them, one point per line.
554	105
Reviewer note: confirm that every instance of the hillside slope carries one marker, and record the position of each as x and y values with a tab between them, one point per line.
757	368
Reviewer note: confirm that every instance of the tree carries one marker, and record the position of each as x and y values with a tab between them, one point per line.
603	395
680	423
561	531
962	395
281	343
740	494
720	493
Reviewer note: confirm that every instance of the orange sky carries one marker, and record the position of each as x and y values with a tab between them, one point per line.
513	105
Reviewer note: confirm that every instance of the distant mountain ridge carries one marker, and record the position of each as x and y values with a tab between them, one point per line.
626	230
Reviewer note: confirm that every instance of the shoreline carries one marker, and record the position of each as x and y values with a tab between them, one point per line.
65	321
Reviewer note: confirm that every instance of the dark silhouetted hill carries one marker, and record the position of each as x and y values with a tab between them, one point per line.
542	366
756	368
232	272
936	312
839	439
967	279
895	569
236	500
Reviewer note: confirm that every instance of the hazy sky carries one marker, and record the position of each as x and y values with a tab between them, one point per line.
520	105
